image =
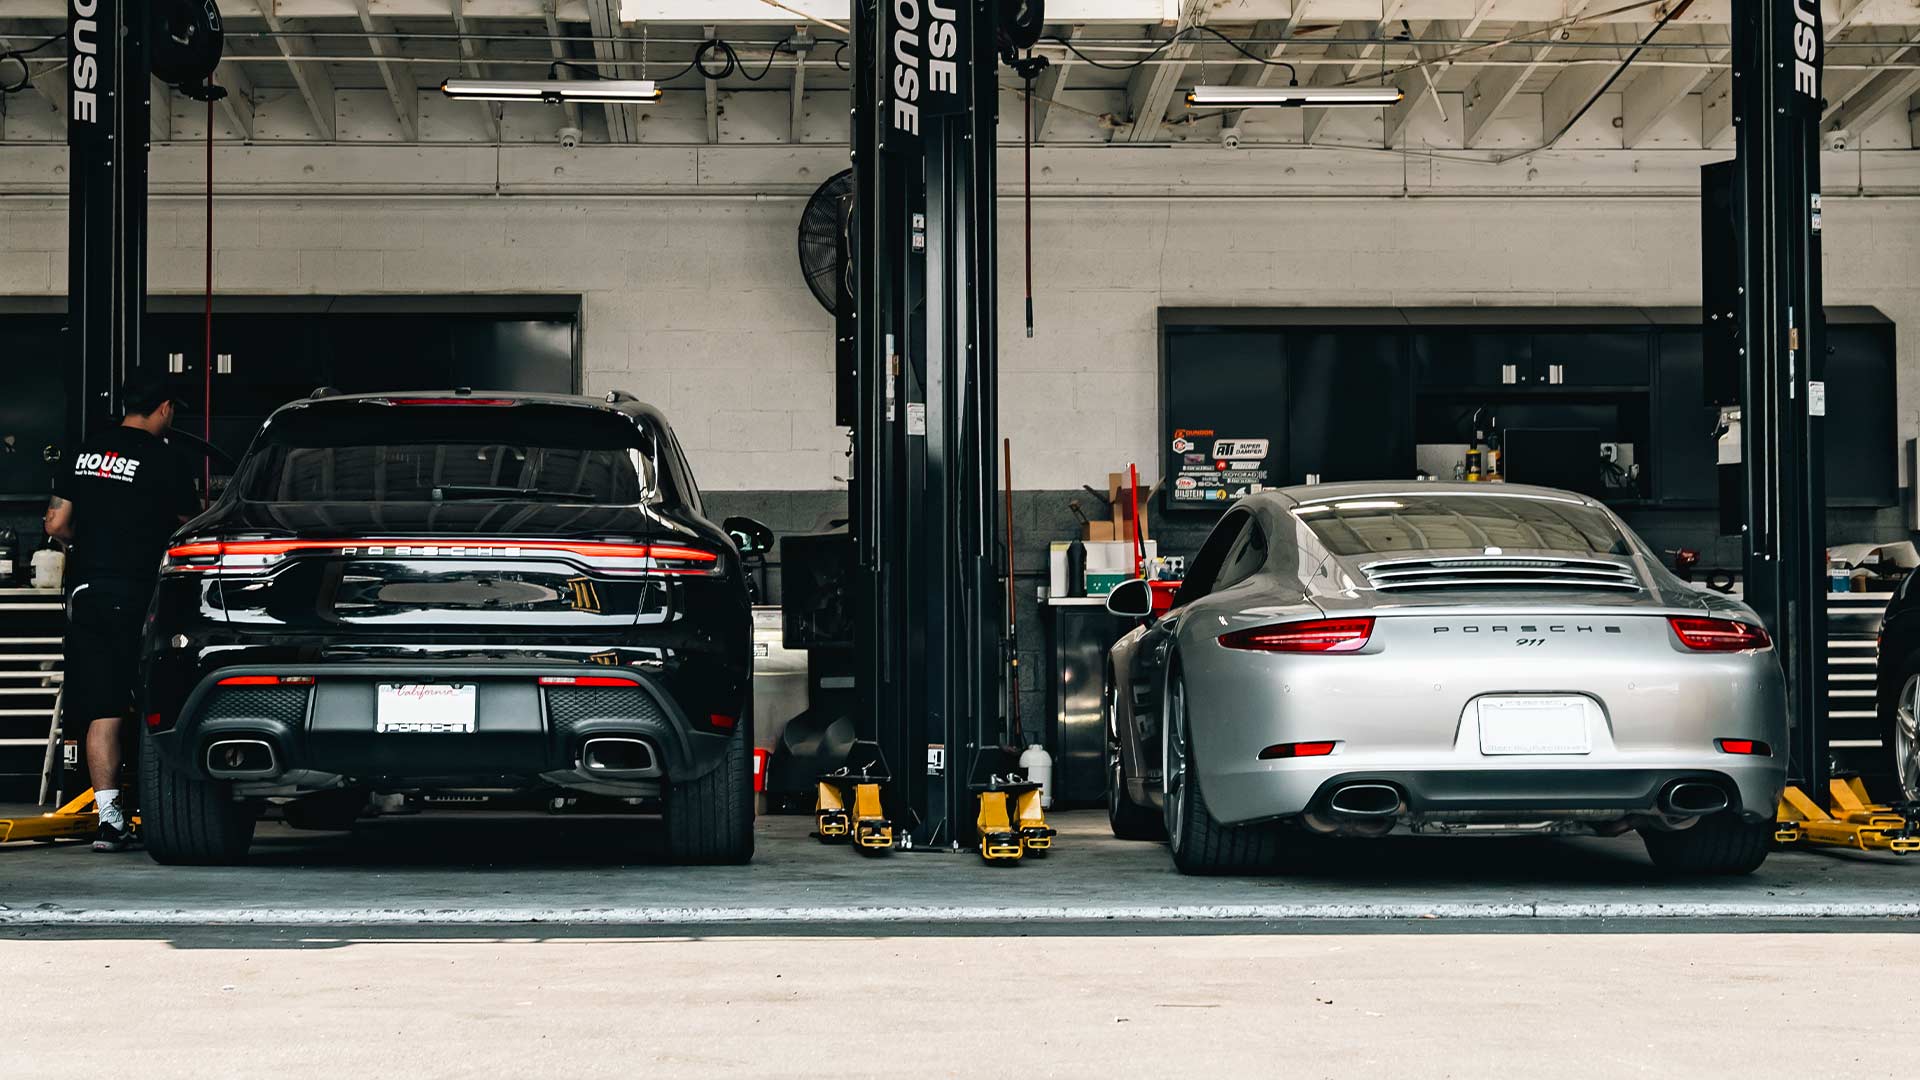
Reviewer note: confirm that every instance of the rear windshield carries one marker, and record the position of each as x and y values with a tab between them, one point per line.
442	453
1441	522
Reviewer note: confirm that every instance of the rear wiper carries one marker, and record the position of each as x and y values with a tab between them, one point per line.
493	491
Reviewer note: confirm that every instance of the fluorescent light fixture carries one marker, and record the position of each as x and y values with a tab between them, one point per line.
553	91
1294	97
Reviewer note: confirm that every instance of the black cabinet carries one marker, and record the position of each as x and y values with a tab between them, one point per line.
1591	358
1862	464
1529	359
1685	448
1453	357
1350	406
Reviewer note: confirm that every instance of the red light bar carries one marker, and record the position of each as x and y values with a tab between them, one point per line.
585	680
723	722
1313	635
153	720
256	556
1744	746
266	680
1719	635
1297	749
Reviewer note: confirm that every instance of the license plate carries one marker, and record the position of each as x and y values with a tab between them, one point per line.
426	708
1534	725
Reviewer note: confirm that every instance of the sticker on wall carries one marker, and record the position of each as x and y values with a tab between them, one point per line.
1182	445
1185	483
1239	448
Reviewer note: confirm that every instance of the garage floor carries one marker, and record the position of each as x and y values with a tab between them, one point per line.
470	869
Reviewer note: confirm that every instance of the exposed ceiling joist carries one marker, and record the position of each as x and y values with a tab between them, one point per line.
237	106
1423	86
551	14
49	81
603	19
1884	91
1150	88
315	85
1716	110
1048	88
797	90
470	55
1277	31
1335	74
1573	87
400	87
1656	92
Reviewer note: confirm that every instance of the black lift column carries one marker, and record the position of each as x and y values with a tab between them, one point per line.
924	512
1779	351
108	98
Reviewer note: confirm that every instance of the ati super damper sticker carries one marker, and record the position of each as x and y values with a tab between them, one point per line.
1217	469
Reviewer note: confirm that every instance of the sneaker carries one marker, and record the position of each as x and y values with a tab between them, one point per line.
114	838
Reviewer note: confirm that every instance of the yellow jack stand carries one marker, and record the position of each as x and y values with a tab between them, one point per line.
830	813
1036	836
74	821
998	841
872	832
1853	821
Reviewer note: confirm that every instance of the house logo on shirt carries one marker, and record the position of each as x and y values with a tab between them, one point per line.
108	466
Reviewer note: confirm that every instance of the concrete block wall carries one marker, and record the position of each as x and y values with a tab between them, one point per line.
697	303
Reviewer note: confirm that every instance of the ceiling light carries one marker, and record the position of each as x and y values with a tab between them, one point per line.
1247	97
553	91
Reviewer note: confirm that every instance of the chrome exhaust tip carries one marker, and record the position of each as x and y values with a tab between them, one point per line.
241	759
1694	798
1366	800
618	756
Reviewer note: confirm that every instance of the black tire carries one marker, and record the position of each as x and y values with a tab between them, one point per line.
190	822
709	821
1128	819
1720	845
1200	843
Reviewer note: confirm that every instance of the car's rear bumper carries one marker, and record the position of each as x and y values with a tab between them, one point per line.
525	734
1480	786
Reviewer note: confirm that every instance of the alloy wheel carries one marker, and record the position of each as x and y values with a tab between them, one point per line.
1906	739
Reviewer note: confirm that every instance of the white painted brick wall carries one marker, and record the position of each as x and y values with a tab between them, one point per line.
698	306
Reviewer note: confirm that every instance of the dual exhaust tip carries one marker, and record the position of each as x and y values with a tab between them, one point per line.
1683	798
242	758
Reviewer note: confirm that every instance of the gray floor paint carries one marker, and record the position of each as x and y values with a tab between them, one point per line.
466	870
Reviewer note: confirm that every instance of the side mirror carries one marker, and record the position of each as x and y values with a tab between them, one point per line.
1131	599
751	537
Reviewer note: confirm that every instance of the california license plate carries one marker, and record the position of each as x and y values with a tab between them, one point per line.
426	708
1535	725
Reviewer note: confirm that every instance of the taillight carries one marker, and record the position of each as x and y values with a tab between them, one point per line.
261	556
1296	749
1744	746
585	680
1719	635
266	680
1314	636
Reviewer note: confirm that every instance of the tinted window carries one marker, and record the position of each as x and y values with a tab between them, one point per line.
1245	558
441	453
1438	522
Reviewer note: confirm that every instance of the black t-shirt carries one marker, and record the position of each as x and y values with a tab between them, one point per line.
129	491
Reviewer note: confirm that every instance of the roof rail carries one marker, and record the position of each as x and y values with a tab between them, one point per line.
324	392
614	397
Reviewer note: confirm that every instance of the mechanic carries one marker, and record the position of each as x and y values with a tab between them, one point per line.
124	496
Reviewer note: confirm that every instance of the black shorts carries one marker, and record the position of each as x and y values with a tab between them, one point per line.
104	620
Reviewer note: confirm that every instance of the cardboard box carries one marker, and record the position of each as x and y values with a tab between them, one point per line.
1121	495
1099	531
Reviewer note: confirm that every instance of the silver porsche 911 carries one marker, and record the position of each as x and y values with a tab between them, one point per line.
1356	659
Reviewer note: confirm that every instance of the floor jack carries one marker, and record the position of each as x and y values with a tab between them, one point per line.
866	824
1011	824
77	820
1852	821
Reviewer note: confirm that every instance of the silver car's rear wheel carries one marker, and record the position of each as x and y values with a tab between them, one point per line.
1906	739
1201	844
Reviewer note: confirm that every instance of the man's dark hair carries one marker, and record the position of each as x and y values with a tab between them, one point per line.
144	392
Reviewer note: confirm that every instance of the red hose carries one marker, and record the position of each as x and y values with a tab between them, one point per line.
1139	543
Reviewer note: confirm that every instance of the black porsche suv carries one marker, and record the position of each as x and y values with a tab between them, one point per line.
452	598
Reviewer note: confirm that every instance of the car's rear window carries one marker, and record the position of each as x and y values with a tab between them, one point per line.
1439	522
372	453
